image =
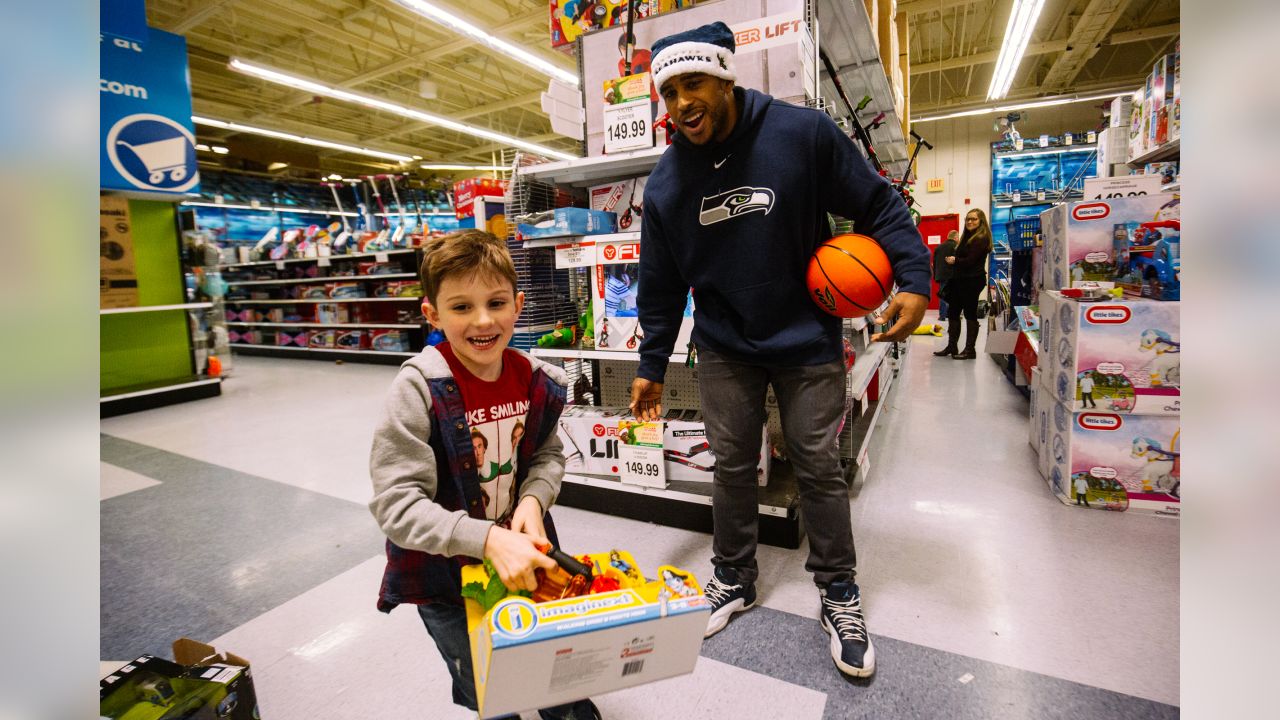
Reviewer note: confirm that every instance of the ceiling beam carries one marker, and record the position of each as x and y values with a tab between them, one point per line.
982	58
1047	48
196	17
1025	94
1094	24
922	7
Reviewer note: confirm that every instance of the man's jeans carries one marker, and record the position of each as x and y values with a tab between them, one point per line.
810	405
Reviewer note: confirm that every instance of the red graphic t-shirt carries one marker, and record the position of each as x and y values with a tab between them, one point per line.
496	415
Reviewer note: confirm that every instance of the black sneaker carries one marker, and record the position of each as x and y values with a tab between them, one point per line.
727	596
842	619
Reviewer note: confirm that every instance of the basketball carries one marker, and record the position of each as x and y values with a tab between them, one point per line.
849	276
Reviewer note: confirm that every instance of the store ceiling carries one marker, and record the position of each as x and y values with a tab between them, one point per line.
380	48
1079	46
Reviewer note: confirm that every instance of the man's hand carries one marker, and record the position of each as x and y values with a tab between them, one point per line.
527	518
907	308
950	259
515	556
646	397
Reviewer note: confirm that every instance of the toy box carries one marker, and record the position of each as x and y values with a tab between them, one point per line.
1124	355
389	340
615	285
1167	171
333	312
313	292
1122	462
466	191
1079	237
199	683
323	339
571	18
340	290
529	655
687	454
350	340
624	198
1149	253
399	288
1113	144
565	221
1038	430
1137	125
286	338
117	276
1121	109
590	438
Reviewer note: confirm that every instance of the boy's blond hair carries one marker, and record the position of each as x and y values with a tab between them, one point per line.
464	253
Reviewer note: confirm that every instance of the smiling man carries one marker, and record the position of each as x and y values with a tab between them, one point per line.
734	210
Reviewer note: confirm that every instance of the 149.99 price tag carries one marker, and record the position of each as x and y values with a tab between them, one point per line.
640	453
628	112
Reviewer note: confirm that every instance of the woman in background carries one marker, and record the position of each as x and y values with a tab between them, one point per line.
968	278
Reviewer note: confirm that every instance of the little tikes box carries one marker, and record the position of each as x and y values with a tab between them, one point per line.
1129	462
1129	349
1079	237
528	655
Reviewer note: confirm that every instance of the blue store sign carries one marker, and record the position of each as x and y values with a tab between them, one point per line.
147	140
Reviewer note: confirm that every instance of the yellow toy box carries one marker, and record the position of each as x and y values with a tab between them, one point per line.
529	655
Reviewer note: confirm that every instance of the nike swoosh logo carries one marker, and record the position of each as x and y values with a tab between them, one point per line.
723	161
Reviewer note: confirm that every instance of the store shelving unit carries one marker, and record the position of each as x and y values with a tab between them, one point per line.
847	37
1169	151
399	306
156	308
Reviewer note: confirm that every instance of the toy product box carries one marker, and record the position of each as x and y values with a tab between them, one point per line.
350	340
529	655
571	18
1137	125
1120	357
341	290
285	338
1121	109
565	221
313	292
117	277
1168	171
590	438
333	312
1038	430
1117	462
1079	237
376	268
615	286
687	454
199	683
1113	144
399	288
1149	253
466	191
389	340
248	337
624	198
324	339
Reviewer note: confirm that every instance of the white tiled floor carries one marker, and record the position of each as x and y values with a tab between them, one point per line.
961	547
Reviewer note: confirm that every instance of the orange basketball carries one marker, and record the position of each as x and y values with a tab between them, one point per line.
849	276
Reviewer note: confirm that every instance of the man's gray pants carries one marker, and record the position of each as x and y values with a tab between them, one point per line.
810	404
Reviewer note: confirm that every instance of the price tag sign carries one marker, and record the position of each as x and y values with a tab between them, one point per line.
1121	187
279	264
381	257
574	255
640	453
322	262
628	113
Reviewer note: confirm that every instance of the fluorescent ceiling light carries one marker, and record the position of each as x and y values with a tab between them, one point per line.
462	27
482	168
277	166
1022	21
316	88
1022	106
220	150
228	125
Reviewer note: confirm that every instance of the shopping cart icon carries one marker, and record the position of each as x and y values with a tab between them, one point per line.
162	156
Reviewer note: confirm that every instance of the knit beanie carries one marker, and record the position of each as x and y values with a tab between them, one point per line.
707	49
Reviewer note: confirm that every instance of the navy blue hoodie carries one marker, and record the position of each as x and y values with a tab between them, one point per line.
738	221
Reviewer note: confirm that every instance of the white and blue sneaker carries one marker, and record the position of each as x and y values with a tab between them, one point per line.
728	595
851	647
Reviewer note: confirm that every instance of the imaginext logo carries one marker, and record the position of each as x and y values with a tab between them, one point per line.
515	617
733	203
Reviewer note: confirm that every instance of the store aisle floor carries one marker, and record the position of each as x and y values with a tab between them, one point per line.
241	520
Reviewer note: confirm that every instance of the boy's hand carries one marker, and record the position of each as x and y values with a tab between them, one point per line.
515	556
908	309
527	518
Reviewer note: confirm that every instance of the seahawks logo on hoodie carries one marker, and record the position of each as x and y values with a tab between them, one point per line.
733	203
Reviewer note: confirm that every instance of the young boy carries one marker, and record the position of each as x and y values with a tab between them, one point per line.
444	498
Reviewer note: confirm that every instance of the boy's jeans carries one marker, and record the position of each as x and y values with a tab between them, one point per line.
448	627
